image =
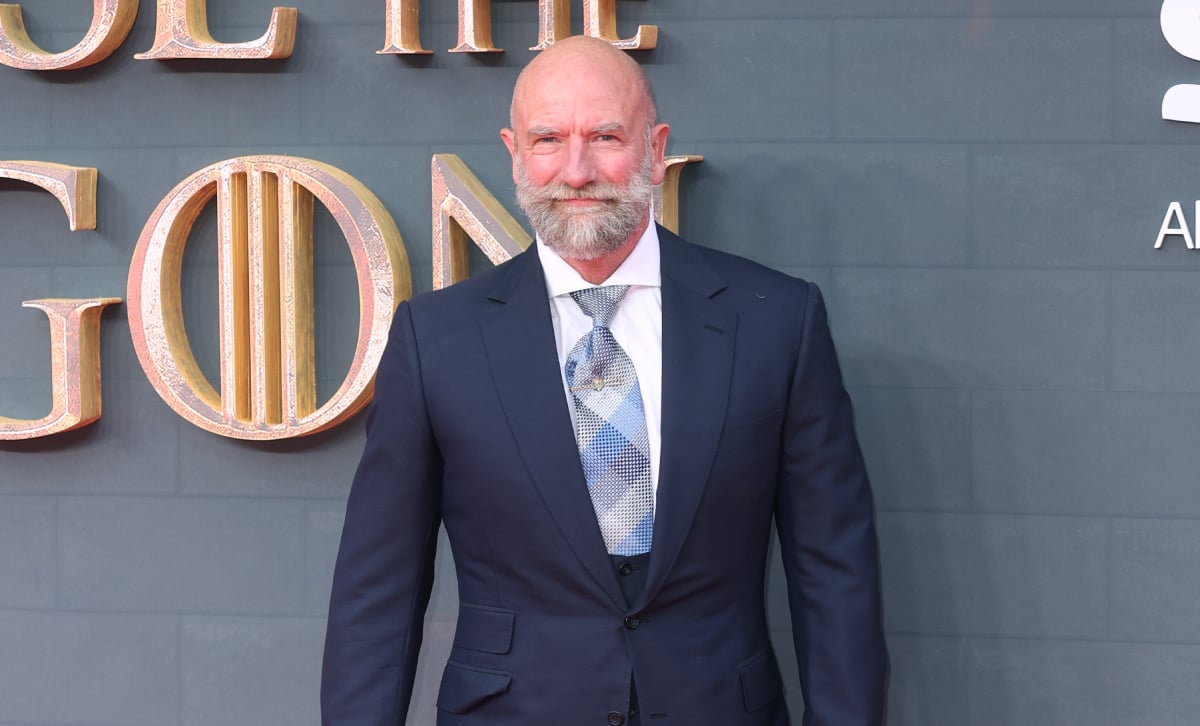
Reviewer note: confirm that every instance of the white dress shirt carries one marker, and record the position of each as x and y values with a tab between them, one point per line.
637	325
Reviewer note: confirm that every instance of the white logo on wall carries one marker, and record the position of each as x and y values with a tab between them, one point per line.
1174	223
1180	20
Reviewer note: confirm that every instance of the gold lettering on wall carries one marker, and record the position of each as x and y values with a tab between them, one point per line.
403	30
267	349
73	186
600	21
74	324
74	368
463	208
404	34
554	22
181	31
475	27
666	195
111	22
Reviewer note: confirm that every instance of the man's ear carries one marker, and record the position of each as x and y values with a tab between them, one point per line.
658	147
510	142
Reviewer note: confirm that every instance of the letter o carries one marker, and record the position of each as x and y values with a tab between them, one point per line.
264	209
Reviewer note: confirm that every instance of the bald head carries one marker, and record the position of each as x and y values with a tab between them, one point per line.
569	59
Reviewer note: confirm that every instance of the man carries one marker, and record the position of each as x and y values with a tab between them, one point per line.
607	425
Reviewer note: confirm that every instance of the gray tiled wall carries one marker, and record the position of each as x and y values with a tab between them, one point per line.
976	185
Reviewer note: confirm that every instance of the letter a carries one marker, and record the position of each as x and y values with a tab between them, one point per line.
1175	215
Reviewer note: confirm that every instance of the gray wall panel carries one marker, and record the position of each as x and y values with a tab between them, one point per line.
28	533
930	681
917	442
1156	333
36	231
1024	329
259	105
16	286
382	100
1067	8
995	574
1049	683
1000	682
320	465
65	667
835	8
24	125
1151	600
1084	453
251	670
1010	79
214	555
832	203
762	80
322	533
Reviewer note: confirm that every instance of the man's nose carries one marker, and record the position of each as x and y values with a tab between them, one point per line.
580	168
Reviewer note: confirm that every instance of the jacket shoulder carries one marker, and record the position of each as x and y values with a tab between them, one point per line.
466	295
734	271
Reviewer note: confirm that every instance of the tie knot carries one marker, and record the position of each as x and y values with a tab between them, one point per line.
600	303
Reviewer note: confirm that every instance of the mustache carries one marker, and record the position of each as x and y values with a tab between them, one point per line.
599	191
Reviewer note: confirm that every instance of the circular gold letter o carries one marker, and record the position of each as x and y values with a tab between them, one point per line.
264	210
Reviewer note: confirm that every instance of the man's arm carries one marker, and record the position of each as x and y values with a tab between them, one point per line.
825	518
384	569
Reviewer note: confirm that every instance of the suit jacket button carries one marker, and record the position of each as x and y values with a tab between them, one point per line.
625	568
616	718
632	622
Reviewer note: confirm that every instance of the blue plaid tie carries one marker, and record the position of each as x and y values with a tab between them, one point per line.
610	427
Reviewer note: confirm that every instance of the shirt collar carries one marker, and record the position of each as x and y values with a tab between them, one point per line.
640	268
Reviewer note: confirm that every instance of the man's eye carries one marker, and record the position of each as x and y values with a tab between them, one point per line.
545	140
606	138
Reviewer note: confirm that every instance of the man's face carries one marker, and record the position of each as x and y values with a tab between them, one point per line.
587	222
585	157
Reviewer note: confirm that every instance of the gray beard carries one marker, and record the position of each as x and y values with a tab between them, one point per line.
586	234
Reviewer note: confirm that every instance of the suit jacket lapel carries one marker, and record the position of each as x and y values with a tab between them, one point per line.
698	344
519	340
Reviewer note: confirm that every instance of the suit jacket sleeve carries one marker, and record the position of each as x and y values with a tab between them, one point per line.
384	569
825	519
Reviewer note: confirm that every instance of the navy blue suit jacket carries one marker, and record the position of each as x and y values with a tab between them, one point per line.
470	427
